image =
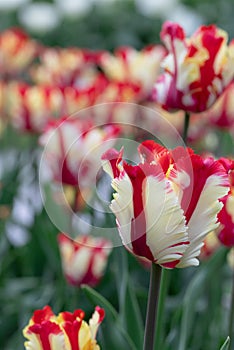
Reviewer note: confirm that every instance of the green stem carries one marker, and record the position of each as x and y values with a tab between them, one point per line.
231	316
186	126
161	303
153	298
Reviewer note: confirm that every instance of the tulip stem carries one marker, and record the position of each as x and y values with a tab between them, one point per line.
186	126
152	307
231	316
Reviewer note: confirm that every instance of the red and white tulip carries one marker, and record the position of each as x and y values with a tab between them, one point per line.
128	65
17	51
84	259
29	108
226	215
46	331
73	149
167	204
211	245
221	114
196	70
65	67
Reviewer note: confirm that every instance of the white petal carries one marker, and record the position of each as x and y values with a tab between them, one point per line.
122	207
165	222
204	218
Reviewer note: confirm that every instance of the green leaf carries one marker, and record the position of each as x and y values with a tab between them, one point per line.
130	314
113	334
226	344
192	295
98	299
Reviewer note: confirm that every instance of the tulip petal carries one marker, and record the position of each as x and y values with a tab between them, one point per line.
167	234
204	217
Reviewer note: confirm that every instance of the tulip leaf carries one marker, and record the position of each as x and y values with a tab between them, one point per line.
133	319
226	344
130	314
193	292
98	299
114	335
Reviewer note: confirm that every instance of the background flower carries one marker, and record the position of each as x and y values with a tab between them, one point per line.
84	259
197	70
128	65
17	50
73	148
226	215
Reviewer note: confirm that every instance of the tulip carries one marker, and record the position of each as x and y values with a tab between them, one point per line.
226	215
17	51
73	148
211	244
128	65
196	70
30	107
46	331
65	67
221	113
167	204
84	259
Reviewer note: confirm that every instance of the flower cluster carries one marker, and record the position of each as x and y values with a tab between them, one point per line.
167	204
66	331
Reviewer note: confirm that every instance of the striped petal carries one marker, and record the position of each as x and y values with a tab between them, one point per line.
210	183
44	336
165	223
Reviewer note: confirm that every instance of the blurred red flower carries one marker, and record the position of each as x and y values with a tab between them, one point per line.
84	259
196	70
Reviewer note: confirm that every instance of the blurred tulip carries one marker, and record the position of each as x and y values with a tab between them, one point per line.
166	205
211	244
226	215
197	70
84	259
30	107
73	149
65	67
119	92
17	51
221	113
128	65
46	331
79	98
